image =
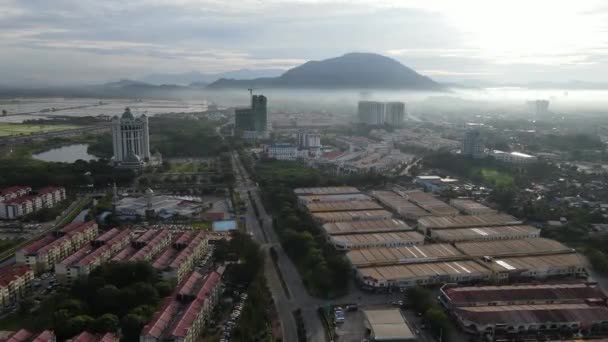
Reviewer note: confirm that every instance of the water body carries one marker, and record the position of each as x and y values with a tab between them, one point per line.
66	154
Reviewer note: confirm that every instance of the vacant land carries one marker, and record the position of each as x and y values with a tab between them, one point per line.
7	129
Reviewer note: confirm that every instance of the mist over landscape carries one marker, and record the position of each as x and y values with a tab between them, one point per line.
303	170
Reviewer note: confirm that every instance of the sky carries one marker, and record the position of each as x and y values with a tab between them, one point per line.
491	41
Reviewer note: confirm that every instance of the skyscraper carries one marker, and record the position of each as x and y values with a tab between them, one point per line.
371	112
394	113
472	145
130	140
252	121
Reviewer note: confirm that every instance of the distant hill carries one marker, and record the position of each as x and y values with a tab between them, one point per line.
351	71
198	78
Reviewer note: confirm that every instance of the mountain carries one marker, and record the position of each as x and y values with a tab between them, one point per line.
351	71
200	78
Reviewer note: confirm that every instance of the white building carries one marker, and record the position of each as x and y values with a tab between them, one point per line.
514	157
309	139
394	113
371	112
131	140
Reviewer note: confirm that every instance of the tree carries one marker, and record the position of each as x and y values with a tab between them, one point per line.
164	288
131	326
419	298
78	324
106	323
438	322
504	197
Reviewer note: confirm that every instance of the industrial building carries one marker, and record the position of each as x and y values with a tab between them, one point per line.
465	221
453	296
369	226
429	273
519	311
305	199
184	314
517	158
15	282
534	246
429	203
485	233
331	190
402	255
321	207
343	216
41	255
470	207
400	205
370	240
387	325
566	264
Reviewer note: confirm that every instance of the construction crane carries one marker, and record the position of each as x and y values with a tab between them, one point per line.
250	91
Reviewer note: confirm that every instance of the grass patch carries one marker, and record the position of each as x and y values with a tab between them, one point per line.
496	177
8	129
187	167
201	226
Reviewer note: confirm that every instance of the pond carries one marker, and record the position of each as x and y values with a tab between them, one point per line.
66	154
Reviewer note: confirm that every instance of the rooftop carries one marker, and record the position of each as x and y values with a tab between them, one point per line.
536	262
351	215
326	190
429	203
399	204
469	204
333	198
388	324
378	237
523	292
511	247
467	221
539	314
399	255
369	226
342	206
484	233
429	269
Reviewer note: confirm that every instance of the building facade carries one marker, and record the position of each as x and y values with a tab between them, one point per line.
472	145
371	112
394	113
130	140
253	121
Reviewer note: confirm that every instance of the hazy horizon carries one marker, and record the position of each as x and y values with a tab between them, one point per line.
498	42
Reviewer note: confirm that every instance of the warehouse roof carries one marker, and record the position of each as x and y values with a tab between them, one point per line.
536	262
511	247
468	204
399	204
326	190
351	215
430	203
526	314
342	206
484	233
523	292
388	324
429	269
468	221
369	226
333	198
403	254
378	237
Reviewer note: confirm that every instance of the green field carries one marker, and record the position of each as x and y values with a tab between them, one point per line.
7	129
192	167
496	178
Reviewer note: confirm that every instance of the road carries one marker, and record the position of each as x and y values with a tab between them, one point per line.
298	296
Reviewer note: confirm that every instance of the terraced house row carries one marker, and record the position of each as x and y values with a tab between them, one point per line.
42	255
15	282
183	315
18	201
24	335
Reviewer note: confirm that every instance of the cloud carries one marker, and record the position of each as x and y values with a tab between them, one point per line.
489	39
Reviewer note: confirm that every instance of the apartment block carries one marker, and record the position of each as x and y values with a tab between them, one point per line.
15	281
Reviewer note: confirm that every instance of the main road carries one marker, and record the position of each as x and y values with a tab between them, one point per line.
294	296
